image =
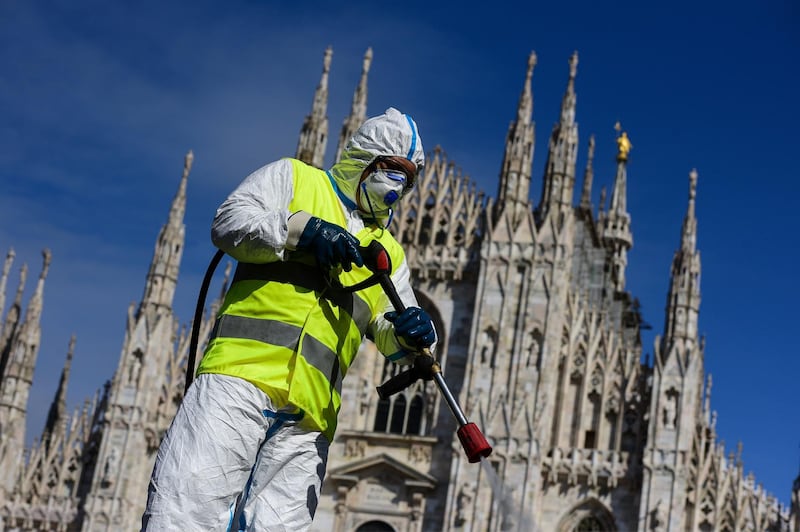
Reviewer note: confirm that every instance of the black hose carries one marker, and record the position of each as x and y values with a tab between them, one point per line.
198	318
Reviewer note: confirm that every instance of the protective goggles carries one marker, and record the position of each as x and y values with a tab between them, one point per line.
395	170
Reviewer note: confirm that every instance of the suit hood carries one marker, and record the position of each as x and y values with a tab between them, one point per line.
390	134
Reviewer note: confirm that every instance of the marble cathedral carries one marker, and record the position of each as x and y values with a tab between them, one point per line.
539	340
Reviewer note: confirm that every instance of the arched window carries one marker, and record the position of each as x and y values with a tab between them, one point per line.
414	416
398	415
382	415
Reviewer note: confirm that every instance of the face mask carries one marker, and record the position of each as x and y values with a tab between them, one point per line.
380	190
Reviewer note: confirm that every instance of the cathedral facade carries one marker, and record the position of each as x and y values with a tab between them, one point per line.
539	341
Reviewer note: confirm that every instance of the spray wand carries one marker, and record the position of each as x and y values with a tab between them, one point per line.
425	366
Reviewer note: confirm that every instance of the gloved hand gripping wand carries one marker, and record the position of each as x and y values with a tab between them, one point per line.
425	366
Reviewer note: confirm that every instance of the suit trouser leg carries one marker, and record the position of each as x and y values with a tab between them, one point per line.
207	455
285	486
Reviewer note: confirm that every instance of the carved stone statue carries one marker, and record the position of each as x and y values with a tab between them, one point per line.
533	352
670	410
110	467
487	345
463	502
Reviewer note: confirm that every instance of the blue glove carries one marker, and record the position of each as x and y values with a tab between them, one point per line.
330	244
413	327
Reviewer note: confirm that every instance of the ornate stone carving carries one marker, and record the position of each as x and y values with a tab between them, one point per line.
355	448
419	454
463	503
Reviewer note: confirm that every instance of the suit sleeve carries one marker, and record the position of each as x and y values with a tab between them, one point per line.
251	225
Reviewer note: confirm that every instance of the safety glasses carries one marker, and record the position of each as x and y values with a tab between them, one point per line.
394	166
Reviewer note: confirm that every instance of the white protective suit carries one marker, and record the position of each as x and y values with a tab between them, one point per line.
230	460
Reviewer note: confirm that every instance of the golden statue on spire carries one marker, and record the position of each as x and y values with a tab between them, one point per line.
623	144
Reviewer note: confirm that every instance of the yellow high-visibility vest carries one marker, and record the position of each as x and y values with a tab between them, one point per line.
284	329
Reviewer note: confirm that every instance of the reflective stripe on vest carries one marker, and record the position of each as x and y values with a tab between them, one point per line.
285	335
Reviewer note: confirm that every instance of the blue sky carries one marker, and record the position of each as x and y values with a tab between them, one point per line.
101	100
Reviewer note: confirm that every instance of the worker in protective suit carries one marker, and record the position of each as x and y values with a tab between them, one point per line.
248	447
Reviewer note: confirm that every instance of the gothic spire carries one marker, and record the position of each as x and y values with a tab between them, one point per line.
162	278
515	174
617	221
525	106
20	341
314	133
683	303
58	408
177	209
33	314
689	233
25	344
19	360
358	109
559	178
707	401
588	177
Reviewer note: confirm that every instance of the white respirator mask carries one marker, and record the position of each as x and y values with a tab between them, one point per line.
380	190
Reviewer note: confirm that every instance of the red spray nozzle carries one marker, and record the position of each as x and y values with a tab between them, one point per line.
473	442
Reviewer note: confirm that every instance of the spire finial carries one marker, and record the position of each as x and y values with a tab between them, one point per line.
573	65
46	258
187	163
367	60
326	63
525	106
23	278
623	143
689	236
531	63
692	193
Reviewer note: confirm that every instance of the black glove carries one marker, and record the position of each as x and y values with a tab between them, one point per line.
413	327
330	244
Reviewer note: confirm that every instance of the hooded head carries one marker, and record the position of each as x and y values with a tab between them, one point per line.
373	192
